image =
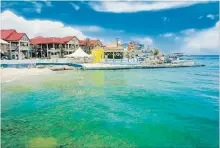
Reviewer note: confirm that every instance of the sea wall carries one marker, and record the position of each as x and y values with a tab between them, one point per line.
118	66
36	62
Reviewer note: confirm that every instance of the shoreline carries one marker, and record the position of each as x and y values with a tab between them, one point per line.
10	74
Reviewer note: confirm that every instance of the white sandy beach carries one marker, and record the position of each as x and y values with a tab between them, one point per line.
9	74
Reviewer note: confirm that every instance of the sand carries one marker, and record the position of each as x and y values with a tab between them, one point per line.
10	74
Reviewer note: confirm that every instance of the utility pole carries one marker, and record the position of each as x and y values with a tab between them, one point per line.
117	41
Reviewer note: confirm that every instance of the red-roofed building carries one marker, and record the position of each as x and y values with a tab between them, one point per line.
88	44
19	44
52	47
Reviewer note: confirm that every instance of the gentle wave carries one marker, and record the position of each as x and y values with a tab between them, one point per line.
7	81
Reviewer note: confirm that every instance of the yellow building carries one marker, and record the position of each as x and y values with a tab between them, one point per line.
97	54
114	50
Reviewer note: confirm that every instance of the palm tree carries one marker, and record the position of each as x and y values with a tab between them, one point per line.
87	40
151	51
156	52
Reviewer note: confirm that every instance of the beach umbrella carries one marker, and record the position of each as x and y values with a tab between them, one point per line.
79	53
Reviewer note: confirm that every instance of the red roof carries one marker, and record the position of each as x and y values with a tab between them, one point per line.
82	42
51	40
11	35
6	33
69	38
15	36
90	43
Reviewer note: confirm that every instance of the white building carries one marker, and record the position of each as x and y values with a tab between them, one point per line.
19	44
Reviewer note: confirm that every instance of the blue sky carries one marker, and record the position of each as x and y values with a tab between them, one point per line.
170	26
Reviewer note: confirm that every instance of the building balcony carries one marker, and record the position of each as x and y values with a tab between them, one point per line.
70	49
21	48
24	48
54	50
13	47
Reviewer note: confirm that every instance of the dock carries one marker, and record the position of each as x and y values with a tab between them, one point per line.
119	67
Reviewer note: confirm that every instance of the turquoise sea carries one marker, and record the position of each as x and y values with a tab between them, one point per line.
155	108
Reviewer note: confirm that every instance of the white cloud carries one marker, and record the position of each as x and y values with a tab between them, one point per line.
6	4
76	7
97	29
177	38
48	28
210	16
131	6
90	28
144	40
188	31
37	27
200	17
167	35
38	7
48	4
203	41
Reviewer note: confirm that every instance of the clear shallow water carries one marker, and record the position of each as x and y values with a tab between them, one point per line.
175	107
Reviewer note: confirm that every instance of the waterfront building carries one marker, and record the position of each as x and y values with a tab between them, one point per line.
97	54
19	44
88	44
54	47
131	47
134	46
4	48
135	49
114	50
